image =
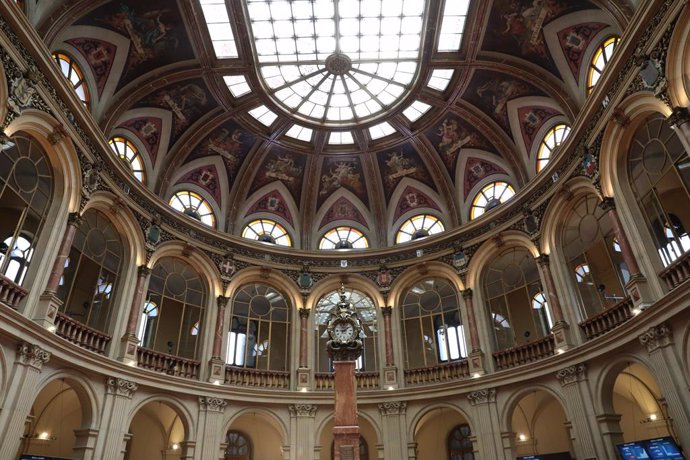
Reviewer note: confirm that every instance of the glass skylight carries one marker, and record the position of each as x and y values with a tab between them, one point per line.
218	23
381	130
341	138
300	132
440	78
237	84
263	115
337	61
453	25
416	110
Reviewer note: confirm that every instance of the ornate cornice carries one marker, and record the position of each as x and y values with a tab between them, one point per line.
572	374
120	387
393	408
212	404
302	410
656	337
482	396
32	355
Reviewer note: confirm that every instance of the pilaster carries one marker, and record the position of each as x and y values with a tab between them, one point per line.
85	443
209	427
394	428
302	429
487	424
113	429
611	433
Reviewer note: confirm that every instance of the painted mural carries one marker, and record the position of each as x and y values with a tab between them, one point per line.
230	142
491	92
205	177
398	164
410	199
148	130
188	101
100	55
477	169
284	166
517	28
154	28
342	209
274	203
574	42
346	172
531	120
451	136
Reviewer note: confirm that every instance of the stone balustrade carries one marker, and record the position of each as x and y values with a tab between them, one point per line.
80	334
11	293
436	374
256	378
608	319
677	272
325	381
527	353
171	365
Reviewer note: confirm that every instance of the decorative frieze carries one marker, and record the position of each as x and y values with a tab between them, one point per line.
302	410
120	387
212	404
572	374
482	396
656	337
32	355
393	408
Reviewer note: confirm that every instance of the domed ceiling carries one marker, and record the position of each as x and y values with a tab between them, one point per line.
320	121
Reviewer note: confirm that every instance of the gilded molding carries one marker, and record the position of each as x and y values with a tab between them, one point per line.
393	408
212	404
32	355
656	337
572	374
120	387
482	396
302	410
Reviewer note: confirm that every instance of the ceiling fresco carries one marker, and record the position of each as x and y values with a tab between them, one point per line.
282	166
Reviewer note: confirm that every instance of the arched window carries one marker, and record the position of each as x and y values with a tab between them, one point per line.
460	444
366	312
194	206
91	272
602	56
239	447
489	197
267	231
129	154
174	304
259	333
71	70
541	308
552	139
433	330
417	227
344	238
511	284
659	171
26	188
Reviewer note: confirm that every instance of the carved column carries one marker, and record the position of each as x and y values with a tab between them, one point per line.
303	372
561	328
390	371
578	399
476	357
111	440
49	304
209	433
85	443
679	120
668	371
488	430
216	364
302	429
20	396
394	432
129	342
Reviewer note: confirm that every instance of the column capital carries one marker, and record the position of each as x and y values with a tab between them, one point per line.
304	312
120	387
387	310
32	355
393	408
679	116
572	374
302	410
466	293
482	396
143	270
222	301
542	260
74	218
212	404
656	337
608	204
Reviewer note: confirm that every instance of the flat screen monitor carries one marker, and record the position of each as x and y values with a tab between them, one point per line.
40	457
651	449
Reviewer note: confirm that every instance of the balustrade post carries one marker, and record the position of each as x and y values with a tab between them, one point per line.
303	372
390	371
49	304
129	341
560	329
216	364
476	356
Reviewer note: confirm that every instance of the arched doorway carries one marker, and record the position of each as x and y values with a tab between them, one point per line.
156	432
444	433
538	423
254	435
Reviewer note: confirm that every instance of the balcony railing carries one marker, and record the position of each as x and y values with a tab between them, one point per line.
435	374
84	336
530	352
324	381
10	293
608	319
677	272
171	365
241	376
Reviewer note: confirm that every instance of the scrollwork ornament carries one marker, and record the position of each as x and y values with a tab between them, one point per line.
212	404
120	387
32	355
302	410
571	374
393	408
656	337
482	396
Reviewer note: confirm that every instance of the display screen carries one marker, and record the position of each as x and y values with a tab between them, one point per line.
650	449
40	457
556	456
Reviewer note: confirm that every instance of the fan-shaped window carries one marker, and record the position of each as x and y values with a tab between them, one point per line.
74	74
344	238
91	272
659	170
489	197
417	227
433	330
238	446
259	334
129	155
511	284
366	311
26	187
552	139
174	305
460	444
602	56
267	231
194	206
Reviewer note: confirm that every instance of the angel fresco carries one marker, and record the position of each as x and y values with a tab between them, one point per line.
342	173
283	168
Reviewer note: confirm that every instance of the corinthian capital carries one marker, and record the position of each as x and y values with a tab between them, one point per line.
302	410
120	387
211	404
656	337
393	408
571	374
482	396
32	355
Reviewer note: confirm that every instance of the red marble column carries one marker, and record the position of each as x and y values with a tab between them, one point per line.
345	429
303	336
471	320
221	302
387	312
553	301
143	273
56	273
608	205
